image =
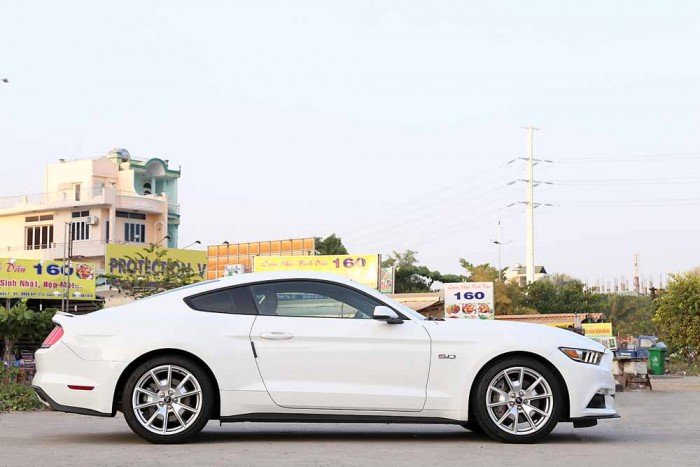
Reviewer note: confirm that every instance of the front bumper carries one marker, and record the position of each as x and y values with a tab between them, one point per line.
583	382
591	420
58	367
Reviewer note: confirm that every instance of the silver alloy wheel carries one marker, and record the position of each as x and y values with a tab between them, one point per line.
167	399
519	401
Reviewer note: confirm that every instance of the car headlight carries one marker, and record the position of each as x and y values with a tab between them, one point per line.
583	355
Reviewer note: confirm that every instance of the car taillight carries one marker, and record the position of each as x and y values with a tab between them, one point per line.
53	337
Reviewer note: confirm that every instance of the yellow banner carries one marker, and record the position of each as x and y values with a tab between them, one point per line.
121	260
363	269
29	278
597	329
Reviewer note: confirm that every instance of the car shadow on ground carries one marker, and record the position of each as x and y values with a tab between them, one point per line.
320	435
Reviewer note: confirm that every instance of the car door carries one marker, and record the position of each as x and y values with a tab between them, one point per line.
318	347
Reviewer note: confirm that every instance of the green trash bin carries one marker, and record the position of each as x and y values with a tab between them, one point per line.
657	360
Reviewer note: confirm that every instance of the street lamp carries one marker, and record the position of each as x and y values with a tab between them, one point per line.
167	237
500	243
196	242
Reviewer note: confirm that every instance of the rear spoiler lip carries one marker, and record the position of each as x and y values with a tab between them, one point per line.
61	316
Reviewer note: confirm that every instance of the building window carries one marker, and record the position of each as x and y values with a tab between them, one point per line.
77	214
77	191
131	215
147	189
39	237
80	230
135	233
107	231
42	218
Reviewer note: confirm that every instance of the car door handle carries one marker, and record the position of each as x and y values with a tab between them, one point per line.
275	335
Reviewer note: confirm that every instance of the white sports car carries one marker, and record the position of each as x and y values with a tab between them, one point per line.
304	347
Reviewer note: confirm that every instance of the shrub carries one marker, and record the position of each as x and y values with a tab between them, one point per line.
14	396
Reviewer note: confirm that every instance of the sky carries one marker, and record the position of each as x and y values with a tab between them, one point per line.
390	123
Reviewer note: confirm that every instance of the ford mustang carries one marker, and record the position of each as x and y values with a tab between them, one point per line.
306	347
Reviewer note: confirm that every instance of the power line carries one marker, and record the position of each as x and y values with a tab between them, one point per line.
657	202
630	181
464	185
429	218
630	157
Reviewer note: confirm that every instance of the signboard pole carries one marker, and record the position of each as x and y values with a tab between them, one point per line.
65	245
70	255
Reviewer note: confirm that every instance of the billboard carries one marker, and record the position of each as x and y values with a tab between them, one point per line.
469	300
121	260
242	254
363	269
597	330
387	279
29	278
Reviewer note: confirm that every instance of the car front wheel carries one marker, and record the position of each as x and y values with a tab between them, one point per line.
167	400
518	400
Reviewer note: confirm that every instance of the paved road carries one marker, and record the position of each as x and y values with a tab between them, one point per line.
660	427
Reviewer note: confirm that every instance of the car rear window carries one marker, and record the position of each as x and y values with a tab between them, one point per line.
236	301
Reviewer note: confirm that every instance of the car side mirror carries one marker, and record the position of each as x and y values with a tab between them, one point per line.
384	313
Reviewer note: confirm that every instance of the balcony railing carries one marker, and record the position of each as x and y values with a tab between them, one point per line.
78	247
84	196
67	196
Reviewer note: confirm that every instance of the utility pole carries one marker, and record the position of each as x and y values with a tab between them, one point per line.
530	209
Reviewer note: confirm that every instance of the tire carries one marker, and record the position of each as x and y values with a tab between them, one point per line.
187	401
538	401
472	426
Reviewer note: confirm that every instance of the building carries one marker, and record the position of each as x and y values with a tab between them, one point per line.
429	304
560	320
517	273
96	201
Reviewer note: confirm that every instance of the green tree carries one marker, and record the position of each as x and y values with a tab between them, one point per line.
399	259
507	296
151	280
563	296
411	277
678	314
632	314
331	245
479	272
19	322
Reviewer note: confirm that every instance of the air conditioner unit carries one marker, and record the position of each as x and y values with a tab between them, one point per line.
92	220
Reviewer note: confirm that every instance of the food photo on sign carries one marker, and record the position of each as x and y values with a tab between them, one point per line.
470	300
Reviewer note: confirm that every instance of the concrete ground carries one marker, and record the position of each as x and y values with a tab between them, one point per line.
661	427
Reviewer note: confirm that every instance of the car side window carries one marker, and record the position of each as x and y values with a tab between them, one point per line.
311	299
235	301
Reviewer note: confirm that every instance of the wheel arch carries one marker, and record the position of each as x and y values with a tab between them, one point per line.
472	389
121	382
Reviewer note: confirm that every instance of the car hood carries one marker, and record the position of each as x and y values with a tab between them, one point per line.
478	330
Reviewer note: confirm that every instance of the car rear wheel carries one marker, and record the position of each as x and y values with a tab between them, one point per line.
167	400
518	400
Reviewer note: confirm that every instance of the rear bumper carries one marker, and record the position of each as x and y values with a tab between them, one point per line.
43	397
58	367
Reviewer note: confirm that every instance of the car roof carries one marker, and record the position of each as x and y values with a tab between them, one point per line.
250	278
